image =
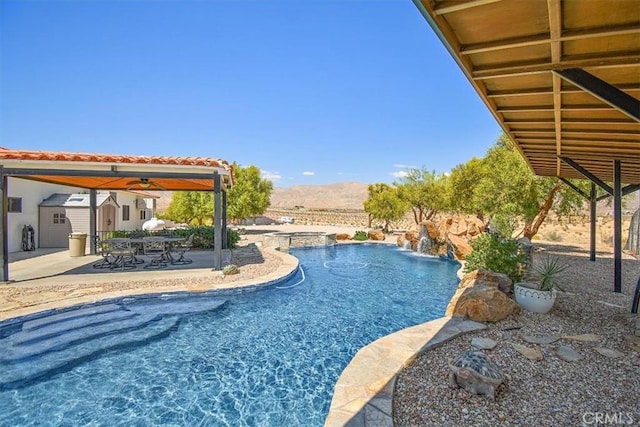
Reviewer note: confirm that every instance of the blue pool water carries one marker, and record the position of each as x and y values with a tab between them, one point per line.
264	358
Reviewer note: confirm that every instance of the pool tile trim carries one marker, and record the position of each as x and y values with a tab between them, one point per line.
363	395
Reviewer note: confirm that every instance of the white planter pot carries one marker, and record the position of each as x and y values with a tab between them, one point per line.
533	299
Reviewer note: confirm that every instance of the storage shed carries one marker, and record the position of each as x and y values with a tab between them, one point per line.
61	214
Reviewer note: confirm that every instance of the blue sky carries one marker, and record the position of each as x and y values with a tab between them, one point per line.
311	92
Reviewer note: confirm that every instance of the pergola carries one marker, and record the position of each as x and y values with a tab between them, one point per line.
562	77
118	172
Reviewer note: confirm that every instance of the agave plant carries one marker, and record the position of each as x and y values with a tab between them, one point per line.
230	269
546	273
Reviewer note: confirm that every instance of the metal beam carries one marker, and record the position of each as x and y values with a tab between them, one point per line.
217	223
104	174
625	191
602	90
225	234
630	189
591	177
617	227
93	233
575	188
593	203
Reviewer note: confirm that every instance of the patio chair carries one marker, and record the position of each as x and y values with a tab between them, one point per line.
102	249
156	249
180	249
122	252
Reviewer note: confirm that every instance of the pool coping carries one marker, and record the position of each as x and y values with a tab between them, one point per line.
289	265
363	394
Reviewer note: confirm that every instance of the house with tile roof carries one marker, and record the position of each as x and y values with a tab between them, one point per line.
55	211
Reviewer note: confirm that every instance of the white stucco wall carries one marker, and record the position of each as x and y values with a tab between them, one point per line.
134	223
32	194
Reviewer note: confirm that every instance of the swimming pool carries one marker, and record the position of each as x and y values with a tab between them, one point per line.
269	357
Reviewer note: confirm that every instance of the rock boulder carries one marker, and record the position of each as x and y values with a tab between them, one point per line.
479	298
376	235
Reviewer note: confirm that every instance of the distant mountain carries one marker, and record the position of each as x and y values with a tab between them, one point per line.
342	195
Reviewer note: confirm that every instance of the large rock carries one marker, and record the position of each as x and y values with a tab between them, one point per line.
461	248
409	240
343	236
376	235
487	278
463	226
480	299
432	230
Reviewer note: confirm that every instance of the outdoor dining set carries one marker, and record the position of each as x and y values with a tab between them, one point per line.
152	252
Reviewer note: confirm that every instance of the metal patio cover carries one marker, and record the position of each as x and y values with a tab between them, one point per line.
561	77
116	172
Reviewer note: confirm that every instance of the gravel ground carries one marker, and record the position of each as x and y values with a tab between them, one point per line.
596	390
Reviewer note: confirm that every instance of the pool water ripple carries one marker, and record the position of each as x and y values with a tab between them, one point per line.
266	358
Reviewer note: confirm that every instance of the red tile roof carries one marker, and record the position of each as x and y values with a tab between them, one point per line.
111	158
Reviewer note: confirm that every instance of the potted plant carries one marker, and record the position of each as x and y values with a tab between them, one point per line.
539	294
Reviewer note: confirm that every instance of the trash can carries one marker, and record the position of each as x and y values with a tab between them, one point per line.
77	244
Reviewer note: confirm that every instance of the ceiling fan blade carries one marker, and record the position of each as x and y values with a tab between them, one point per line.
156	186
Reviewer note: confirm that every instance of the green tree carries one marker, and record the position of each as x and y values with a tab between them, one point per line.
425	191
250	196
190	207
384	203
502	187
462	185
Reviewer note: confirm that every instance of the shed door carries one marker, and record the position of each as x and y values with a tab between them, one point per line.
54	228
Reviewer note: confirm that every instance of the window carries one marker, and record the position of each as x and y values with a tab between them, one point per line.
143	214
59	218
15	204
125	212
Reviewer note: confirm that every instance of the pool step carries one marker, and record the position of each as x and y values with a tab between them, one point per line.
69	315
19	373
64	339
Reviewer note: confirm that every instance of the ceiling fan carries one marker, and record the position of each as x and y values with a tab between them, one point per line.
144	184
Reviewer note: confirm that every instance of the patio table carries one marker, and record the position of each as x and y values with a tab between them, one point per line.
168	240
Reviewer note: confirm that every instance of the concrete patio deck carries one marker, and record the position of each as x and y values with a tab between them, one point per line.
48	279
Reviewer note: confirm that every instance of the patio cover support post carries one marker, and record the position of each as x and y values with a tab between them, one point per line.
224	221
617	226
92	220
592	235
4	246
217	223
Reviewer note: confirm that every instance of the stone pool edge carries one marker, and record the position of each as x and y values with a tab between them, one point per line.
283	272
363	395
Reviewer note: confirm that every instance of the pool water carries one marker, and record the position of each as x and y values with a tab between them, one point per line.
265	358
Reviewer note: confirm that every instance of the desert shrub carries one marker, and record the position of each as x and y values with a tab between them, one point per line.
230	269
496	253
361	235
553	236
